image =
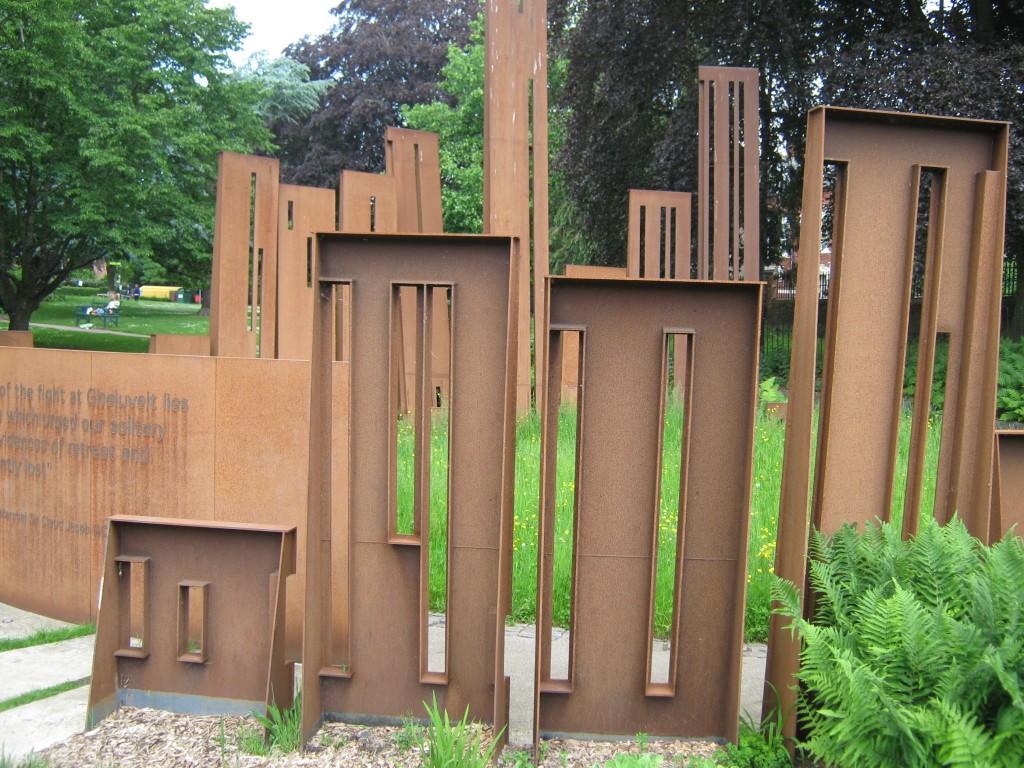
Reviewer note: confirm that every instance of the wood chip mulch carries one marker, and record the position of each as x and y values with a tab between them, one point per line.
134	738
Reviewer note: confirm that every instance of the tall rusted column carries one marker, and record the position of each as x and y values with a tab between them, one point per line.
515	84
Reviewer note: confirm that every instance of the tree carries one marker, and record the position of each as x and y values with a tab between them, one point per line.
459	126
379	55
632	109
112	115
286	94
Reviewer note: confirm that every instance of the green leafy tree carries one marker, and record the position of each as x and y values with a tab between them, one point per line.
380	55
112	115
459	126
286	94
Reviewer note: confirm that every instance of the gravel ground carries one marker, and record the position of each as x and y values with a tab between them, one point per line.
134	738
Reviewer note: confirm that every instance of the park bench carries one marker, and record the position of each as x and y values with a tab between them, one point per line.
96	313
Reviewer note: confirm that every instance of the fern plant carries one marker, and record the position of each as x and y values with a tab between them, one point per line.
915	655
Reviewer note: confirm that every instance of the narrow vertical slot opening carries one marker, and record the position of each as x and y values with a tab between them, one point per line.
309	262
193	604
405	439
643	241
709	193
566	452
926	368
741	200
663	244
291	214
373	213
419	186
439	310
672	256
667	528
256	315
133	584
252	253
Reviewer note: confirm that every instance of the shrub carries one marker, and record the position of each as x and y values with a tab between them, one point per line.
454	746
915	656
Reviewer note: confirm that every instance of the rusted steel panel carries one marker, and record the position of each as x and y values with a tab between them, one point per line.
16	338
1007	485
303	211
244	287
665	251
180	344
412	158
880	159
151	651
351	530
625	325
516	140
728	168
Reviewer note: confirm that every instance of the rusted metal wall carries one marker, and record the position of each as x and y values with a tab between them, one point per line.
728	168
15	338
516	142
226	654
368	579
880	159
179	344
625	325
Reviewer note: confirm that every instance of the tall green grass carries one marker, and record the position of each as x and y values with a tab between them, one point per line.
769	440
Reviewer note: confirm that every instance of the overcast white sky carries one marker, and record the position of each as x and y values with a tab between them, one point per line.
274	24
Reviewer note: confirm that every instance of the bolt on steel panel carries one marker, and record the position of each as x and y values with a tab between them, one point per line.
358	563
880	159
143	656
624	325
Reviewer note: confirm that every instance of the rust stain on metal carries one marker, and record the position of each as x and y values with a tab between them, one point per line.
371	660
192	617
728	208
880	160
625	325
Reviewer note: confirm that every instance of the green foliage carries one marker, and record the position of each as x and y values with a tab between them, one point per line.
756	748
112	116
1010	397
460	130
32	761
284	91
44	636
626	760
454	746
916	653
770	392
283	727
411	736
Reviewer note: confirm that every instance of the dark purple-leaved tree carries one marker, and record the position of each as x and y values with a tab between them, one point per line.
380	55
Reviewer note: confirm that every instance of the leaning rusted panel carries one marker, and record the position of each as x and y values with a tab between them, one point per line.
1008	485
412	158
625	325
384	593
728	208
516	142
880	158
244	286
665	234
227	659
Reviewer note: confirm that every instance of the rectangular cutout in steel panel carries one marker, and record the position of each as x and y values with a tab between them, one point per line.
193	620
624	367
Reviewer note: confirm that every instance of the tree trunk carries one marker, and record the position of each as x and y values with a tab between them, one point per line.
204	308
19	317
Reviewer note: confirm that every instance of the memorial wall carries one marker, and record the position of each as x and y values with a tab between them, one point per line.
87	435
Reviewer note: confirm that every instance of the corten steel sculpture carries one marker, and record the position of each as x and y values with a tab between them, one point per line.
880	159
191	618
516	143
244	289
366	644
728	211
627	329
1007	485
658	244
16	338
